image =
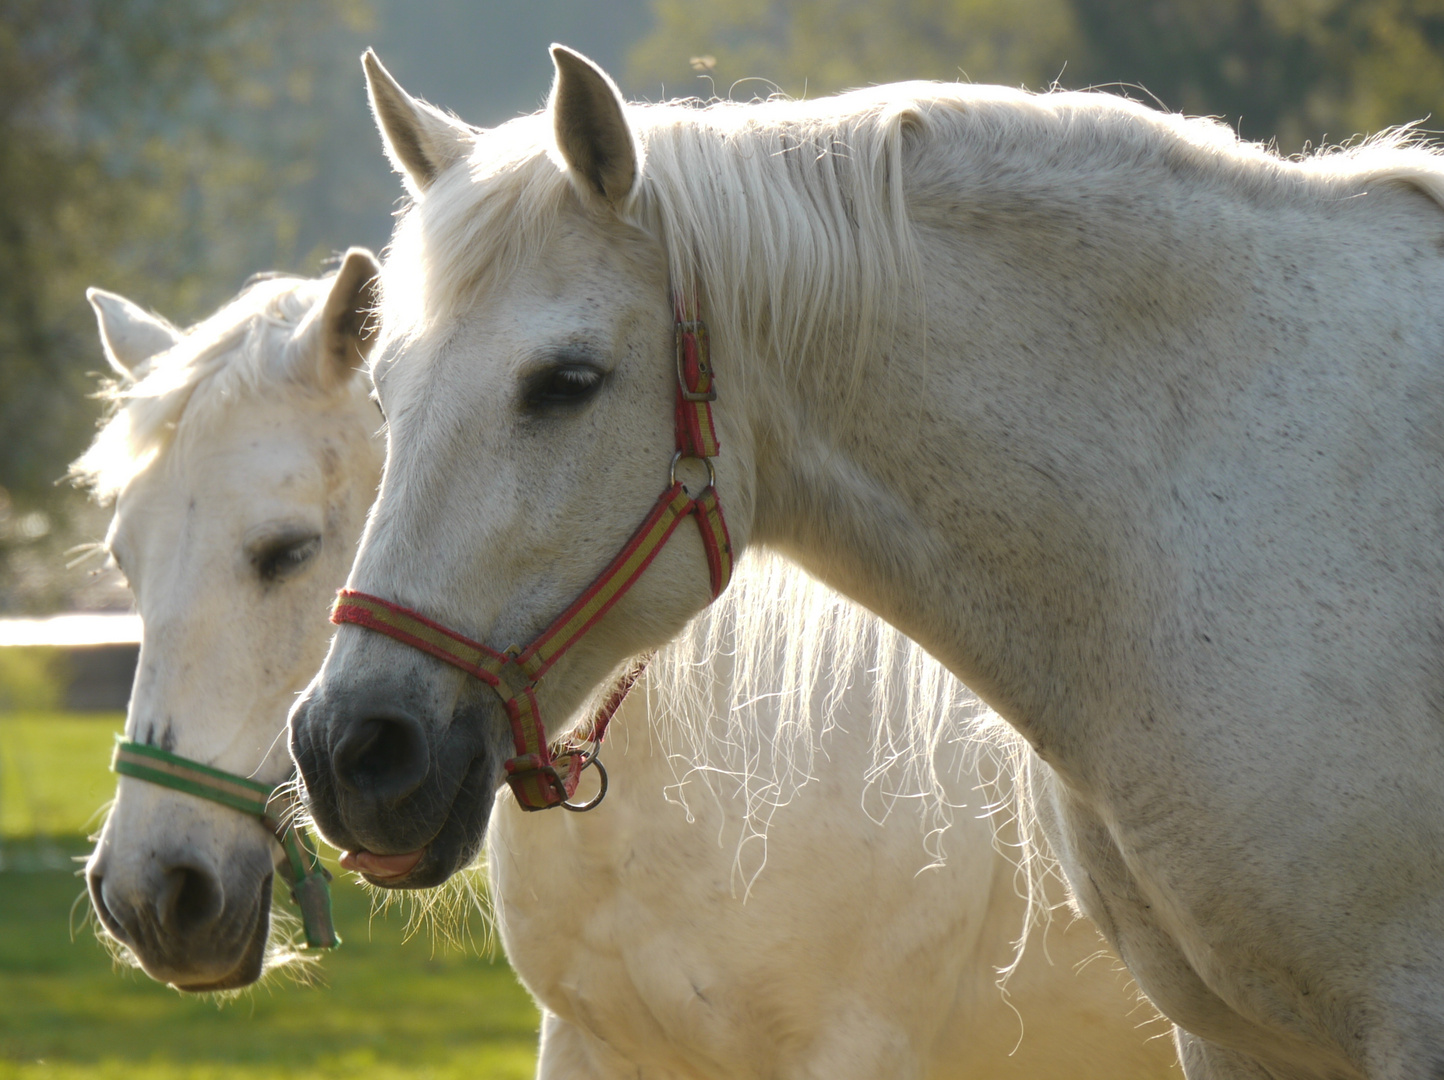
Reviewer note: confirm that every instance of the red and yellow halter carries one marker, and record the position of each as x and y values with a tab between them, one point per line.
543	777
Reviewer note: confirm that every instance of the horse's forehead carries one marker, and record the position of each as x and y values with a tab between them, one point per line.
580	289
585	281
246	461
538	308
267	434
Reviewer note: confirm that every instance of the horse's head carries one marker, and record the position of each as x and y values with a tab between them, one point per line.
241	458
527	370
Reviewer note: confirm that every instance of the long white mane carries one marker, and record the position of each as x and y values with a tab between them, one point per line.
227	356
748	693
788	219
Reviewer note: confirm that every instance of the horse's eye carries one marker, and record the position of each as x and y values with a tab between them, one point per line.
560	387
283	557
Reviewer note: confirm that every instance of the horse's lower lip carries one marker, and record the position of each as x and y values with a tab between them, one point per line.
380	866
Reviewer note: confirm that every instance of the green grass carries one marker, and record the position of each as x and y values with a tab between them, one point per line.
385	1009
54	772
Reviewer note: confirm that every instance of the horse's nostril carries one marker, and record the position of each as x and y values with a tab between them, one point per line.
384	758
189	900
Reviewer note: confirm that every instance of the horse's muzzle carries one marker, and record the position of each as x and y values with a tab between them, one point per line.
380	780
184	922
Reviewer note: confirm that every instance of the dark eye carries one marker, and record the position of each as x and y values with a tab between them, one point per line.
562	386
280	558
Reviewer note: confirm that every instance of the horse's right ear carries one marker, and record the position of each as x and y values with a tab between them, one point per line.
129	334
421	140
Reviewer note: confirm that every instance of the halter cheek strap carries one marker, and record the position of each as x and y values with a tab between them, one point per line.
543	777
275	807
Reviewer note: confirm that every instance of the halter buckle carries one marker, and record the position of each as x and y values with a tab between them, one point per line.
693	332
512	679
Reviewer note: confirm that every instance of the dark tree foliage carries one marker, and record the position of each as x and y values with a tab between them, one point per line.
1288	70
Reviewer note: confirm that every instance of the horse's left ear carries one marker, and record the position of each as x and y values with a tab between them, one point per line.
129	334
592	133
335	340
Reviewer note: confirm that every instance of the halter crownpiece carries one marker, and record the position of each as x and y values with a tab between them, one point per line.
275	807
540	776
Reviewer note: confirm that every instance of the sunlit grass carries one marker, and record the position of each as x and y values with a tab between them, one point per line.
54	772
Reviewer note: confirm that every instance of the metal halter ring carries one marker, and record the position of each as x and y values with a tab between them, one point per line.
592	803
678	456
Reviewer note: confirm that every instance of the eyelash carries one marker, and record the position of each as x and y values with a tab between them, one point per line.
561	387
286	558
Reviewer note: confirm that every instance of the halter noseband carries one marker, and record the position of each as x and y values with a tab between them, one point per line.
276	807
540	776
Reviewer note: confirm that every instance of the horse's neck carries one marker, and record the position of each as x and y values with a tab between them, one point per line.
1000	487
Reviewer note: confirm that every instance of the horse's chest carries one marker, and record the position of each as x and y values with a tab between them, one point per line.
671	961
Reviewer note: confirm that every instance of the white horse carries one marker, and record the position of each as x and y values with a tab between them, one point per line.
240	456
1137	428
241	460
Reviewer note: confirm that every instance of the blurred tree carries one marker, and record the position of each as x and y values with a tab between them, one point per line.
1297	71
820	46
147	146
1300	71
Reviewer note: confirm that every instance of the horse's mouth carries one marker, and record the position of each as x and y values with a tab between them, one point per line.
413	870
423	869
451	848
380	867
249	970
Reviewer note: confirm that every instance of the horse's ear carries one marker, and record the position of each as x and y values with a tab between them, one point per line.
592	133
334	341
421	140
129	334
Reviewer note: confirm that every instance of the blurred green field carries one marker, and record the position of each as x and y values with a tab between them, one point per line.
385	1008
54	772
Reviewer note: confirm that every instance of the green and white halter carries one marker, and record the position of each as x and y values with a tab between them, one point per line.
275	807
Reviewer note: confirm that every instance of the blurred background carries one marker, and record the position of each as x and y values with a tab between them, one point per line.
168	149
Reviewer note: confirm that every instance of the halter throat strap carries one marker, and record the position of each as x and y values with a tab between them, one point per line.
275	807
542	776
